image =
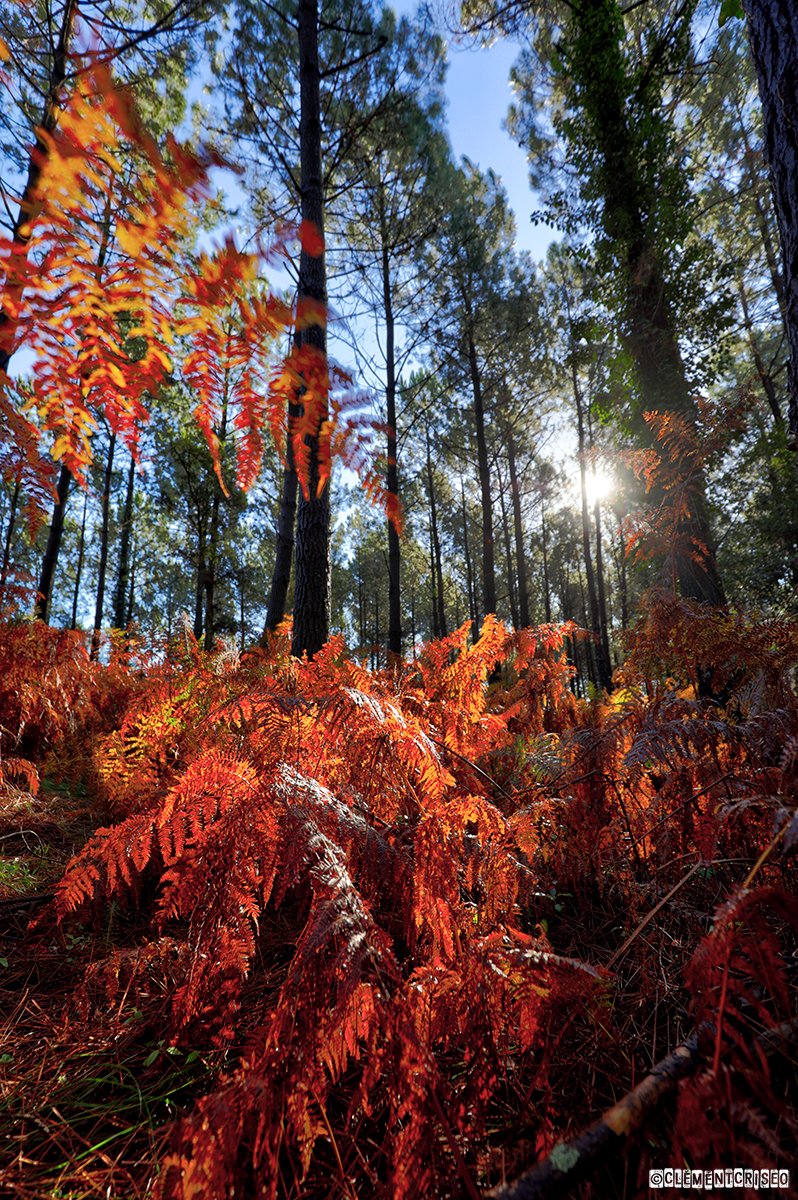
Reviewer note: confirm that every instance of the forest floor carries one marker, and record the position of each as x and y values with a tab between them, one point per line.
278	928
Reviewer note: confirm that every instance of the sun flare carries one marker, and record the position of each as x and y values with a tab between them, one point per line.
600	484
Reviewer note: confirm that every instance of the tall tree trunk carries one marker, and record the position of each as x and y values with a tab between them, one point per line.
284	547
472	603
597	59
199	594
361	607
544	542
773	36
7	541
53	548
435	546
392	466
488	554
602	659
213	551
508	554
41	610
620	567
106	509
434	628
312	555
120	590
604	628
79	568
764	215
131	596
413	621
591	672
210	577
241	611
518	528
765	377
28	206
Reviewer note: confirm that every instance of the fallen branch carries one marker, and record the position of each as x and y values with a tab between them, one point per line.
571	1162
14	902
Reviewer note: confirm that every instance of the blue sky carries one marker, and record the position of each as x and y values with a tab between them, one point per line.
478	90
478	87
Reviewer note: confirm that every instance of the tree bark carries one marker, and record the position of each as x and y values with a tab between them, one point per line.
392	467
597	59
41	610
199	595
131	596
27	211
488	553
765	378
79	568
284	548
544	542
600	655
508	554
413	622
241	611
518	528
604	629
12	518
773	36
210	584
106	509
312	551
439	608
620	566
472	603
361	607
120	590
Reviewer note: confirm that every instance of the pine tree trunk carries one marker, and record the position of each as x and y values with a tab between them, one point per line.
79	568
284	548
392	468
472	604
210	598
41	610
413	622
544	541
131	596
241	612
210	576
199	594
7	542
435	546
441	593
620	566
597	60
603	667
508	554
773	35
120	590
765	378
488	554
518	527
604	629
28	206
361	607
312	552
106	509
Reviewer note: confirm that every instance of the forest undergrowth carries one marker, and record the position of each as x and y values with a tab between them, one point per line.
273	927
